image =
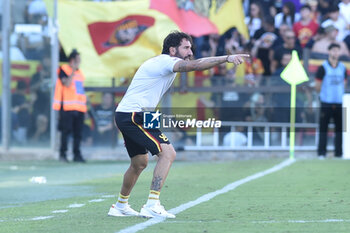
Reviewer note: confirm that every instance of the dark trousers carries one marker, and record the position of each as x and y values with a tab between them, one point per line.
71	122
327	112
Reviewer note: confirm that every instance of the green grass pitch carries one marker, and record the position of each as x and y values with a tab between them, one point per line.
307	196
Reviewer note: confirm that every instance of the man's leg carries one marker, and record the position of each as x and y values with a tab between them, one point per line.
165	159
122	208
78	123
338	121
65	127
138	163
160	173
323	129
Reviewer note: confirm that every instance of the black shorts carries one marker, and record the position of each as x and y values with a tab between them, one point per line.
139	140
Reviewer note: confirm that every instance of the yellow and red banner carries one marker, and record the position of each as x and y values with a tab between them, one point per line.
202	17
113	38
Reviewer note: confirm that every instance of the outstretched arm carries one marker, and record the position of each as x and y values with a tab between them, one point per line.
208	62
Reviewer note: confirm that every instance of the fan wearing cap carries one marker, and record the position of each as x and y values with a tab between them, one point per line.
337	21
321	46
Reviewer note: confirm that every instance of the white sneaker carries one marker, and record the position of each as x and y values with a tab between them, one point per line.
127	211
156	210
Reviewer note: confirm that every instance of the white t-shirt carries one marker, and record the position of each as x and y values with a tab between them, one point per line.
340	24
151	81
344	10
254	26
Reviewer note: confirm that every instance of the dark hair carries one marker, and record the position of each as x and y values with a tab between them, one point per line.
73	54
291	7
261	11
333	8
269	20
333	45
306	6
174	40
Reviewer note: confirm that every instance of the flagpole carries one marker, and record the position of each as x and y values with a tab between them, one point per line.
54	65
292	121
293	74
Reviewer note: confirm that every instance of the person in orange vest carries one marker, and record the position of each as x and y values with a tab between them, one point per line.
70	101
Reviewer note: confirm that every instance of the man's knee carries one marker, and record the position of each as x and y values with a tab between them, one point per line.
168	152
139	163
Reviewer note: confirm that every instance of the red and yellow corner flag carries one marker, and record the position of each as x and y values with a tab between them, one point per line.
113	38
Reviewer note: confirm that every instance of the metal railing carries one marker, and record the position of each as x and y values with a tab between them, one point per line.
281	128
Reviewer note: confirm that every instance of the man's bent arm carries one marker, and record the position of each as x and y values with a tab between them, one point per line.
207	62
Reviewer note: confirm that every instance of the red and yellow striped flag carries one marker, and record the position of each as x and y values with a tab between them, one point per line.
114	38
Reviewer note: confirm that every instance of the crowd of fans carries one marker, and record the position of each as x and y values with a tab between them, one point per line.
275	28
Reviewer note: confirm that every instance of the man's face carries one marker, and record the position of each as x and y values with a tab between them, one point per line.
76	61
334	15
184	50
286	59
305	13
290	39
334	53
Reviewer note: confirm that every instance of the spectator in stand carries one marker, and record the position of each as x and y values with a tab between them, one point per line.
280	35
338	22
104	116
263	41
36	11
331	80
344	9
347	42
255	18
15	52
21	108
306	28
288	15
318	36
315	14
324	6
320	47
40	96
297	4
288	46
41	133
253	68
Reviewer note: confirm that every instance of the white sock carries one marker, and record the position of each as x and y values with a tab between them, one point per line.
122	201
153	198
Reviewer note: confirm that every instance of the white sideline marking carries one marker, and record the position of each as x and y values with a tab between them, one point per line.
305	221
262	222
41	218
75	205
207	197
108	196
96	200
14	168
59	211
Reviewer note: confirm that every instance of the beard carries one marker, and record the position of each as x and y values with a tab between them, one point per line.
177	54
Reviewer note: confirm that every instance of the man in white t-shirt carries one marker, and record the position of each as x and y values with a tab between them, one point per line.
151	81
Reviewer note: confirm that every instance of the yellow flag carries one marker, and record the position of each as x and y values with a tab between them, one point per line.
226	14
294	73
113	38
